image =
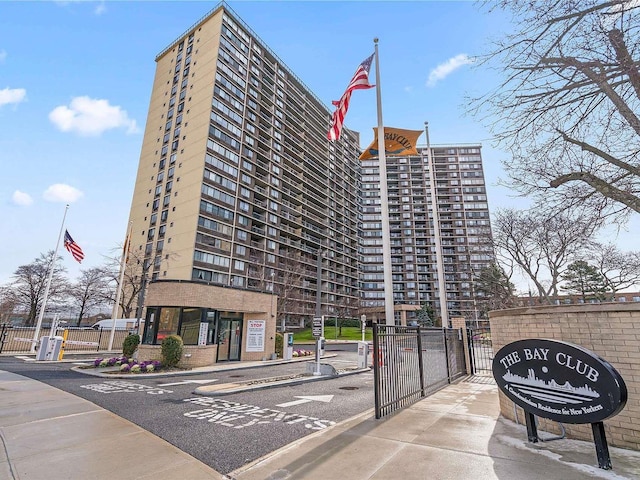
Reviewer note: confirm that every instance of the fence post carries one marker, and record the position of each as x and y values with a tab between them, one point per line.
376	370
420	365
3	335
446	353
99	339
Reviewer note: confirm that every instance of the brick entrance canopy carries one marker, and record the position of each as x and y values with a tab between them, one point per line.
252	305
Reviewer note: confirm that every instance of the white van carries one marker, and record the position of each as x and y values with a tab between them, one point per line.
121	324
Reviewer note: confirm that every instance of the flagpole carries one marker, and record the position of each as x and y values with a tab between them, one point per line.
384	204
48	285
116	306
442	292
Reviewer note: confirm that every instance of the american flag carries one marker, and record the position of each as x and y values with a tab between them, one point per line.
359	81
73	248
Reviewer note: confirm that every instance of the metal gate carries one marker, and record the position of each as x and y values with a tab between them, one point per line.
480	349
412	362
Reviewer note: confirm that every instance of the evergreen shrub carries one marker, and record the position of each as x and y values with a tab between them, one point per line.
171	349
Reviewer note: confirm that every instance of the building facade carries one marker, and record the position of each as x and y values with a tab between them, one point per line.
464	225
238	186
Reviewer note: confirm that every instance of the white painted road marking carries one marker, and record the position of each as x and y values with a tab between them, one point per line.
237	415
120	386
317	398
187	381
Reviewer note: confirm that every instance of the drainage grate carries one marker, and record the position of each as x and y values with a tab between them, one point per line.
236	376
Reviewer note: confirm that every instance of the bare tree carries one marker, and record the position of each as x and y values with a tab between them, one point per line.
30	282
8	303
132	282
620	269
541	247
89	291
567	108
289	284
345	308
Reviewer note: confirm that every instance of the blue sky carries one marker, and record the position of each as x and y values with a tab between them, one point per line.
76	76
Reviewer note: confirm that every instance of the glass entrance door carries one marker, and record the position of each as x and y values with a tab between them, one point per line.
229	338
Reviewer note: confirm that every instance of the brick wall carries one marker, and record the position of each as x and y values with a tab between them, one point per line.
253	305
611	330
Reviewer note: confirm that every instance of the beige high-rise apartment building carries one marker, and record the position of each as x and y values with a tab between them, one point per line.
464	226
239	193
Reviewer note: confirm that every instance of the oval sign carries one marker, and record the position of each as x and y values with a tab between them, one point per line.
559	380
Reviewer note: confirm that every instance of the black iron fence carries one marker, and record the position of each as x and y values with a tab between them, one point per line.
19	339
412	362
480	350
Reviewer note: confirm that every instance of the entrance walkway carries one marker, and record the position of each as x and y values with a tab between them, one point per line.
454	434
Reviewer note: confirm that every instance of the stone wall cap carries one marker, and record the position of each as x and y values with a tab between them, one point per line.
574	308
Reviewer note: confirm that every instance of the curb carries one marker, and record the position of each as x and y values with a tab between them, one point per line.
194	371
261	384
330	433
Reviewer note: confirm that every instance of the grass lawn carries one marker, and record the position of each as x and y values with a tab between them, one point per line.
348	333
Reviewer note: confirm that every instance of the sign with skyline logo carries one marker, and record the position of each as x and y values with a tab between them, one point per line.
559	380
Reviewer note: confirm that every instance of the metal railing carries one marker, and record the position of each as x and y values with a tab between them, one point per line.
19	339
410	363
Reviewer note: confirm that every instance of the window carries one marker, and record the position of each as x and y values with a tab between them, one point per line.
190	325
167	323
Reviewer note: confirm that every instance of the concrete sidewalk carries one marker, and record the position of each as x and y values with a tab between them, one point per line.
48	434
454	434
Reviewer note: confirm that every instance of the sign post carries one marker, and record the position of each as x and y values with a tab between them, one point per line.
316	330
562	382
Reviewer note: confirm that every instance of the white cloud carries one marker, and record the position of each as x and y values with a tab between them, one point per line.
444	69
59	192
100	8
22	199
408	89
3	56
90	117
12	95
